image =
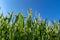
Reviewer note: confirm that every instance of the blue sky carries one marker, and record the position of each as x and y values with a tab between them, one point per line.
47	8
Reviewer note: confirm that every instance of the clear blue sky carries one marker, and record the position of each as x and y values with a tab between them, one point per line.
47	8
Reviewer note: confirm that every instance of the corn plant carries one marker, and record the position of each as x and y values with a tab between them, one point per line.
17	28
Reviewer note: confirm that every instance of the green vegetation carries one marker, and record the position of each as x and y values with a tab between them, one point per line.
24	28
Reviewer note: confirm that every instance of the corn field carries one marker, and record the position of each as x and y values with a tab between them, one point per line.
24	28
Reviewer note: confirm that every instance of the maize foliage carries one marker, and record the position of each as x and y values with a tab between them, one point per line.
18	28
